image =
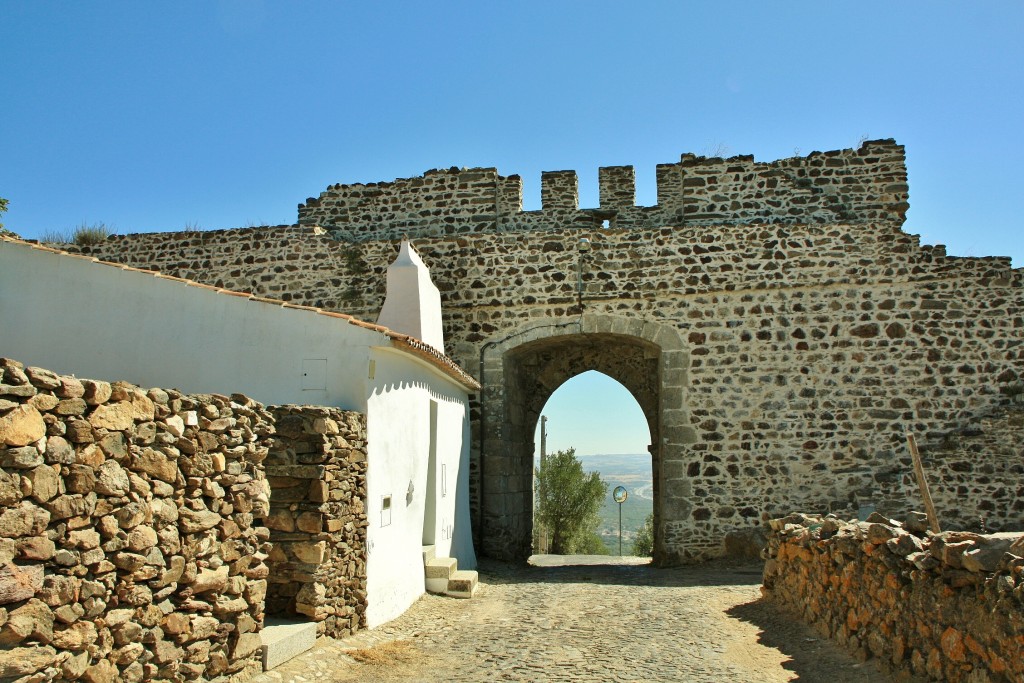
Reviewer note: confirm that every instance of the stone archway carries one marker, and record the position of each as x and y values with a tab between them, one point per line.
520	372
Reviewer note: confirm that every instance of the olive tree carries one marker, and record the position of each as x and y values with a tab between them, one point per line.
568	501
643	544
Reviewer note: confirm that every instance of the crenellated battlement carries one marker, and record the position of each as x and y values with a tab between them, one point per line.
559	190
617	187
850	186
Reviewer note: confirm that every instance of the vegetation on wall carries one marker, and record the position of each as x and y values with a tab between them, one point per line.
357	266
84	235
354	261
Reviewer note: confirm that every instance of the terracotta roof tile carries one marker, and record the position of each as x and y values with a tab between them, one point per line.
333	314
435	357
164	276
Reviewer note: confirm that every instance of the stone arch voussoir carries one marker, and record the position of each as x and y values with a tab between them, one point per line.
522	367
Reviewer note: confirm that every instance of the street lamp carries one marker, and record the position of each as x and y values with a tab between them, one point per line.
619	495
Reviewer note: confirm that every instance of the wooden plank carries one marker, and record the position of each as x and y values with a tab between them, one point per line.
922	483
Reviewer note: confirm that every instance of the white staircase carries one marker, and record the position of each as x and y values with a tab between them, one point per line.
443	576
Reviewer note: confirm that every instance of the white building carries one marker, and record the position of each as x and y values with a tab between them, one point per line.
76	315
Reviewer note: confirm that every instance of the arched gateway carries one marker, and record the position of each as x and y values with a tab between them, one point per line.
521	370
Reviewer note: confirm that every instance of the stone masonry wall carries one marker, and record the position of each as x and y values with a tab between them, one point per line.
131	537
945	607
811	347
317	473
287	262
982	464
814	334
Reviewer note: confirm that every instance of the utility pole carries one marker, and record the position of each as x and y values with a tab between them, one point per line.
543	438
542	541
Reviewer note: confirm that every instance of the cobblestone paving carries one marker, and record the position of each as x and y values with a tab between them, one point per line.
589	623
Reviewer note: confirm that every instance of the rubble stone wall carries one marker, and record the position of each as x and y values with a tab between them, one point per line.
813	332
944	607
132	544
317	474
286	262
981	465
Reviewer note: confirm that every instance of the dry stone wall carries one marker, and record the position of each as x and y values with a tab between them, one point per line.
813	330
317	472
131	538
941	607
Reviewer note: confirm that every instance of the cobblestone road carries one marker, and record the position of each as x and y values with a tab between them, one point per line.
588	623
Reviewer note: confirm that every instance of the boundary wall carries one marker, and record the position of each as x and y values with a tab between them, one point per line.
132	537
975	474
317	473
941	607
131	530
810	348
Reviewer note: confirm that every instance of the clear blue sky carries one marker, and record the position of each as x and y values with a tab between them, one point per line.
595	415
153	116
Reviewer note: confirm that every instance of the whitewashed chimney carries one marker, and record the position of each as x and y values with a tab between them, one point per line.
412	305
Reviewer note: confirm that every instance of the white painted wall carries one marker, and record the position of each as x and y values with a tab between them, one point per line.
74	316
398	437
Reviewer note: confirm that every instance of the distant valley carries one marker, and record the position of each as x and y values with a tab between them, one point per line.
634	472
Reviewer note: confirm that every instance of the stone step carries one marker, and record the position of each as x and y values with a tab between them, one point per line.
428	554
438	571
283	639
462	584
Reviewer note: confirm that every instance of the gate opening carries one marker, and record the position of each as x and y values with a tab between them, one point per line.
519	374
602	424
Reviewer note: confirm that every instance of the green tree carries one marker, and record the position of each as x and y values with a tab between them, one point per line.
568	503
590	543
3	209
643	544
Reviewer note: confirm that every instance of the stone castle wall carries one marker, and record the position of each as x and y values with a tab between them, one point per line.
944	607
813	333
983	464
131	538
